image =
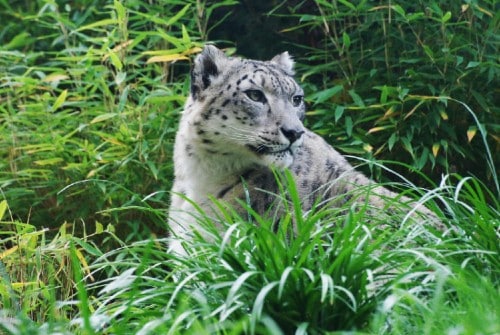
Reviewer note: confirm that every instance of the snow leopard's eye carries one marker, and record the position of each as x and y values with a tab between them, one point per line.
297	100
256	95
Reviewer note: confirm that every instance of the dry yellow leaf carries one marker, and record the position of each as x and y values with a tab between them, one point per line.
435	149
8	252
83	262
167	58
443	114
55	77
375	129
471	132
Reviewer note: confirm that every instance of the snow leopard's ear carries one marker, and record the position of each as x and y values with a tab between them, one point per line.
285	62
207	66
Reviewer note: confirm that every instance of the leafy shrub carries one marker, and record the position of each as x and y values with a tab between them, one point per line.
391	80
90	109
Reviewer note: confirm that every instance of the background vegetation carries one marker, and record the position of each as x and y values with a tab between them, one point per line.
90	94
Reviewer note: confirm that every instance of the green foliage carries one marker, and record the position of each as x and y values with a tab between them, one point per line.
38	270
90	94
338	273
393	81
91	99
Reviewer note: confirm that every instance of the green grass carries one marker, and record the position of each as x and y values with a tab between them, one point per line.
340	272
89	104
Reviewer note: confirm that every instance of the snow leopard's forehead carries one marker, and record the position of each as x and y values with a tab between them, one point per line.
267	76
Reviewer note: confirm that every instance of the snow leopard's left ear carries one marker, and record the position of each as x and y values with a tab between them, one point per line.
285	62
207	66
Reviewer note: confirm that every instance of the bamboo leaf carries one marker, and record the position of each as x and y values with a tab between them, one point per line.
384	94
398	9
356	98
99	228
103	117
446	17
83	261
54	77
349	126
17	42
120	11
115	60
167	58
471	132
435	149
377	129
8	252
443	114
348	4
324	95
339	111
60	100
3	208
185	36
346	40
392	140
105	22
49	161
179	15
472	64
407	145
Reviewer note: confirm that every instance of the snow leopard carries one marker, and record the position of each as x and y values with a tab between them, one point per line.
242	121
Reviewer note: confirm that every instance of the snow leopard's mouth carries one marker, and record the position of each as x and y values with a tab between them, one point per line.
265	150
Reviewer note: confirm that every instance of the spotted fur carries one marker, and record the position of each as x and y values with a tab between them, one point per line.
243	117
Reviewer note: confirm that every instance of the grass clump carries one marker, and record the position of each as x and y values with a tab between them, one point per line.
330	270
38	274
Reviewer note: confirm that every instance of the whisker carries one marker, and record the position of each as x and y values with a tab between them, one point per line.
245	136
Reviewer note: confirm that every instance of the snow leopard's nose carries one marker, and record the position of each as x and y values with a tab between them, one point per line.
292	134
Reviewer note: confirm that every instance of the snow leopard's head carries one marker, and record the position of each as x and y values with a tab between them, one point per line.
246	108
